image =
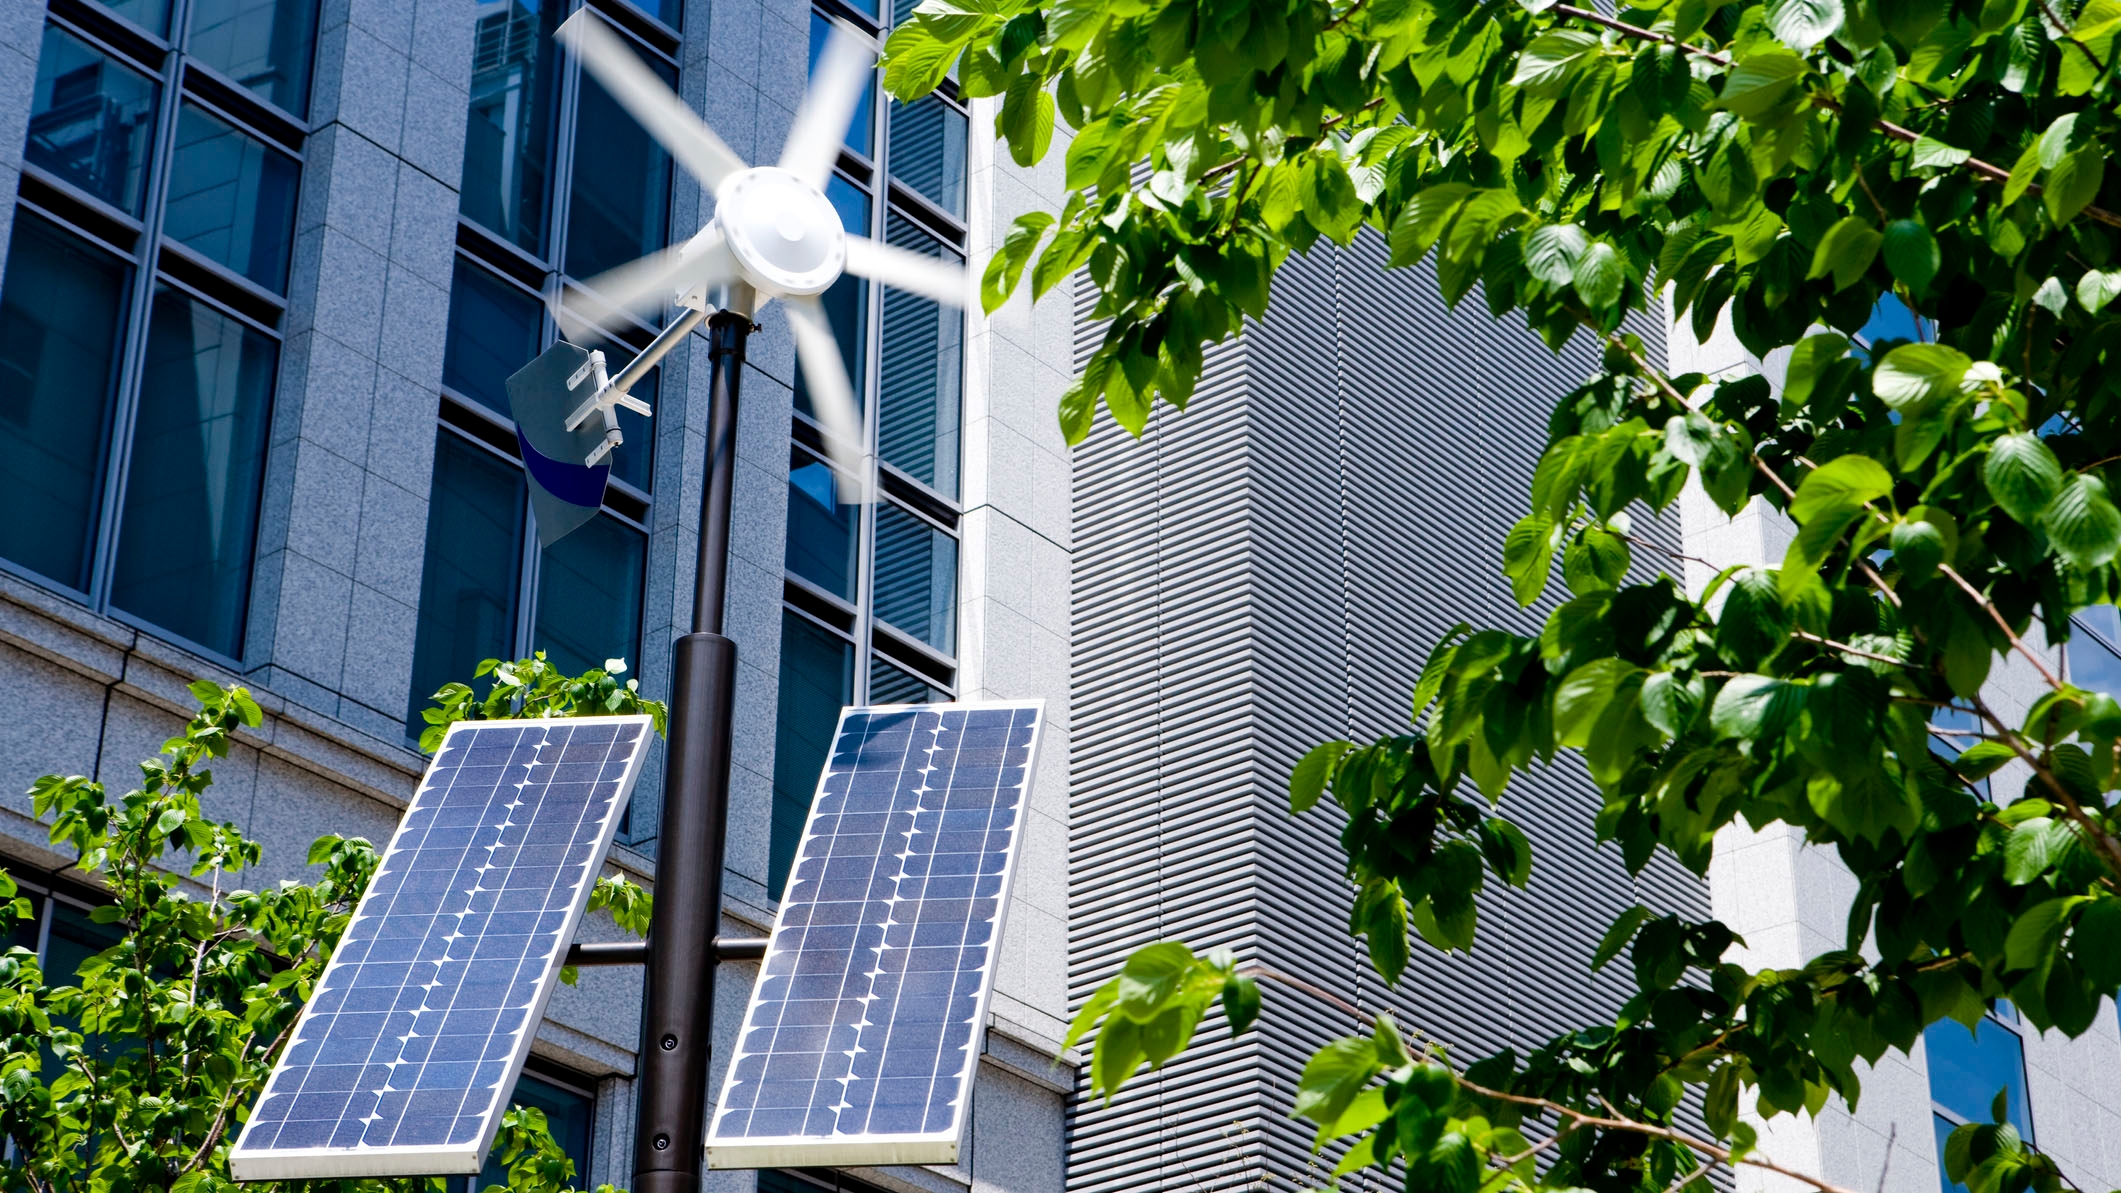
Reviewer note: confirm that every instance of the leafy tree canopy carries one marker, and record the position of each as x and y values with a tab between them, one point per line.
1792	164
136	1072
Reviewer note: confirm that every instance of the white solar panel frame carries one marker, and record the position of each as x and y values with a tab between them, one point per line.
933	1147
266	1164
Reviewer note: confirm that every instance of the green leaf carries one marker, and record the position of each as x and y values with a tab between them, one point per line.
1983	759
1911	254
2082	522
1307	783
1328	197
1802	24
1150	977
1240	999
1508	851
916	61
1617	936
1755	707
2033	939
1332	1078
1840	484
1546	64
1918	547
1581	698
1669	703
1846	251
1093	152
1027	118
2033	846
1760	81
1810	362
2096	943
1914	373
1599	276
1527	557
2022	475
1932	154
2098	288
2074	182
1007	267
1423	220
1551	252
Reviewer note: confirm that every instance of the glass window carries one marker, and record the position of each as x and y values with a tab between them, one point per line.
859	126
91	121
508	139
823	535
620	207
59	329
589	596
197	465
919	373
494	329
889	684
817	681
1967	1068
469	587
1891	321
847	302
916	578
231	198
263	45
928	151
568	1115
2090	653
151	15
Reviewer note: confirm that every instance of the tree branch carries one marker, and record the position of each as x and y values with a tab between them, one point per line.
1898	132
2062	28
1612	1122
1996	615
1845	648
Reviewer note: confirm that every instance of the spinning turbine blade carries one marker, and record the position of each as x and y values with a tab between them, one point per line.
642	287
653	104
904	269
821	122
831	395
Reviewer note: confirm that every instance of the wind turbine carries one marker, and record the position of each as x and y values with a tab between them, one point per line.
773	235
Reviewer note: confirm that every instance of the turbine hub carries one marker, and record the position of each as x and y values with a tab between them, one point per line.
784	232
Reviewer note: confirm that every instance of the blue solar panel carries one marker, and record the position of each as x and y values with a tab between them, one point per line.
864	1029
402	1059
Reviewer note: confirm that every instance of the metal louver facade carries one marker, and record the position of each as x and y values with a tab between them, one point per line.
1266	572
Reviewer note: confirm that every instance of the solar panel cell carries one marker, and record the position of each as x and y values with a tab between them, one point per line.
863	1030
422	1020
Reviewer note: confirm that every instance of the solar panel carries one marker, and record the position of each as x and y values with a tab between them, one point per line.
403	1058
863	1031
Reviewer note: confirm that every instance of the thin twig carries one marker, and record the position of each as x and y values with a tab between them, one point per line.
1639	541
1898	132
1356	7
1887	1166
2062	28
1996	615
2100	839
1845	648
1615	1123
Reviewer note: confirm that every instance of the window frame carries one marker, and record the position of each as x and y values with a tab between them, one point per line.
871	175
155	259
1939	1111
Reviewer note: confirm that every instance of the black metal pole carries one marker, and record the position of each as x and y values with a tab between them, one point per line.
677	1020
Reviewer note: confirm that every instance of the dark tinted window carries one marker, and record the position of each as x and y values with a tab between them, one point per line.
59	324
231	199
928	151
847	302
469	586
494	329
916	578
589	596
620	208
817	681
91	121
263	45
823	535
195	474
920	373
508	139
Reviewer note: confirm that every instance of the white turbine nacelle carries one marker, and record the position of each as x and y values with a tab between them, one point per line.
774	233
784	234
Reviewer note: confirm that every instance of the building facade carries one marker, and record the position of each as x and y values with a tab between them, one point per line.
268	263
